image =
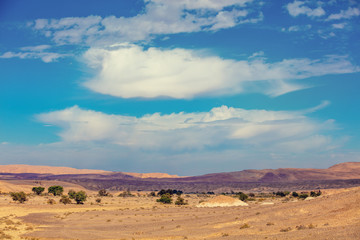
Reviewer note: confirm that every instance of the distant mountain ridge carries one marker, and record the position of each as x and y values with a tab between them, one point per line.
23	168
338	176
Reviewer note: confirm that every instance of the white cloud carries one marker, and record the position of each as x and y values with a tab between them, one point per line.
297	28
345	14
223	126
339	25
297	8
35	52
129	71
158	17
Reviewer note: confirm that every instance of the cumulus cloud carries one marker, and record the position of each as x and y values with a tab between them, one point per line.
222	126
297	8
158	17
35	52
130	71
345	14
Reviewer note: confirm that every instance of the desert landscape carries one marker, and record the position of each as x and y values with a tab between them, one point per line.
134	214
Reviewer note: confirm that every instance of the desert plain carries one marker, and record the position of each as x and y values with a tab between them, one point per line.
335	214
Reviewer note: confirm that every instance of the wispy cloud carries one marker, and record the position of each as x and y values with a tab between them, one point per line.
297	28
130	71
345	14
158	17
35	52
339	25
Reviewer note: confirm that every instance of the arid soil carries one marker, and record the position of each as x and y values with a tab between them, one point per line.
333	215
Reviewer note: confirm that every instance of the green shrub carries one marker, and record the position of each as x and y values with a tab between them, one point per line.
38	190
163	191
280	194
56	190
80	197
65	200
242	196
19	196
315	194
303	195
295	194
165	198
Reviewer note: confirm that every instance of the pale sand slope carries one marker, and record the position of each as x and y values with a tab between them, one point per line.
332	216
23	168
222	201
27	185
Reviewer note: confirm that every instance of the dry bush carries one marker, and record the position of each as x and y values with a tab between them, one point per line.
245	225
51	201
65	200
19	196
285	229
301	227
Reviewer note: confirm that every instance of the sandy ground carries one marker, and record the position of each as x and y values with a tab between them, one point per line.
334	215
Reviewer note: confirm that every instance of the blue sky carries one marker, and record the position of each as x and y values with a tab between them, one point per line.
184	87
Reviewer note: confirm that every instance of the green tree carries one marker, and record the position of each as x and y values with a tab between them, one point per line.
56	190
19	196
38	190
80	197
72	194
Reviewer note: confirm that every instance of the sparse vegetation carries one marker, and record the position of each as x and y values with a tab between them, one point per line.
285	229
180	201
38	190
103	193
311	226
72	194
242	196
56	190
301	227
245	225
126	193
18	197
303	195
295	194
80	197
98	200
315	194
65	200
165	198
51	201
